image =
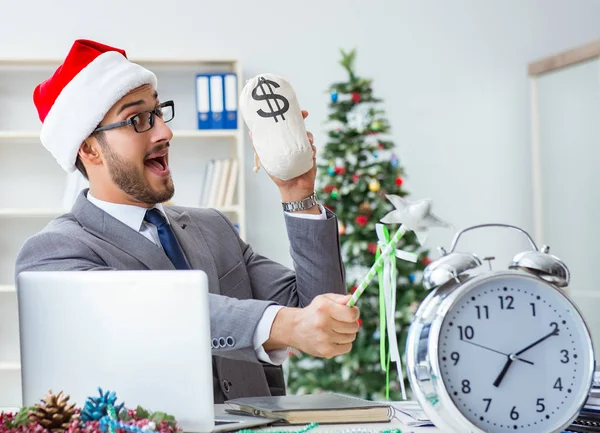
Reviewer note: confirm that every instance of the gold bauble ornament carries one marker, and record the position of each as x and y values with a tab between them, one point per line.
374	185
341	229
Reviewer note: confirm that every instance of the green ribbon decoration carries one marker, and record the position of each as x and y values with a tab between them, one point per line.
384	358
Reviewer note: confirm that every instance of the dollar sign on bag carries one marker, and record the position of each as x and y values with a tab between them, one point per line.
266	86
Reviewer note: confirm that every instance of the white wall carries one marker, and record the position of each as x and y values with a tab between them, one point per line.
453	75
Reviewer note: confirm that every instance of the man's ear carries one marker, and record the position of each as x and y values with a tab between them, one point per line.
90	153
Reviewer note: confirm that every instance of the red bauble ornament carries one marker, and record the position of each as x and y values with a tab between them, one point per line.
360	322
372	247
355	97
381	145
353	289
330	208
340	170
361	220
426	261
328	188
355	178
399	181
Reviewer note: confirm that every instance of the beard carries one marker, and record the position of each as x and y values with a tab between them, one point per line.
131	181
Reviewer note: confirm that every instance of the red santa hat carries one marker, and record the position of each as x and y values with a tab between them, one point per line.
73	101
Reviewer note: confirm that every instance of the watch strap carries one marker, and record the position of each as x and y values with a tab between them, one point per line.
304	204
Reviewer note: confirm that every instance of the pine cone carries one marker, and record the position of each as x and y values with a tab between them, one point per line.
54	413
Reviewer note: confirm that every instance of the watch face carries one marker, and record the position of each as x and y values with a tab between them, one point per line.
515	355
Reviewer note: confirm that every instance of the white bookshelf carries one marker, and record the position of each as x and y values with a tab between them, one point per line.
33	184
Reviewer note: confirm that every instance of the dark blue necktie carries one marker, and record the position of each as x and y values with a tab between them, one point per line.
167	239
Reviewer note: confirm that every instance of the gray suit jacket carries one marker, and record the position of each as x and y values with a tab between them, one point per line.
242	283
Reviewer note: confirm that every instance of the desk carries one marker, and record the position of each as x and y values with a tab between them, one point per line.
373	427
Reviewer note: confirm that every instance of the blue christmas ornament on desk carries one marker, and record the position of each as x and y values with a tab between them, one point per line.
97	407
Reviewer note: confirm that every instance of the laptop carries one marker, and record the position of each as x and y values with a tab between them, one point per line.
143	334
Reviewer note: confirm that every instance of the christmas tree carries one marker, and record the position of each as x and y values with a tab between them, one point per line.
357	168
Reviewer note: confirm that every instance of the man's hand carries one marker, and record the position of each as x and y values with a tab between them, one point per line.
301	186
326	328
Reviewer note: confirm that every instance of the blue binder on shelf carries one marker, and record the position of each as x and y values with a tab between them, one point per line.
231	101
203	101
216	101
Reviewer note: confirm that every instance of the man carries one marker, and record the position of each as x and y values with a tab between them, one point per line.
101	114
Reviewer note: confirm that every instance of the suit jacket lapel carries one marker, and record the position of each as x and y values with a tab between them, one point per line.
100	224
194	246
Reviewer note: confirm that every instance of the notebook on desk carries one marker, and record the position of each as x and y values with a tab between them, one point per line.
325	408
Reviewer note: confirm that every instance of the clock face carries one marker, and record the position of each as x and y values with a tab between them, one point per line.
514	355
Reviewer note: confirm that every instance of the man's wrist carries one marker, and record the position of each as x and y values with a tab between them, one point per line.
294	194
281	330
300	202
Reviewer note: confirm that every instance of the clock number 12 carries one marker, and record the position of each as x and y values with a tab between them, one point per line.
506	302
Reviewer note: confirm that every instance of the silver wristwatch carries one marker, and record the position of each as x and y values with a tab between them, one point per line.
306	203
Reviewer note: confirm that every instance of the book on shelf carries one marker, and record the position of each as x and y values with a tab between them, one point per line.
231	182
219	183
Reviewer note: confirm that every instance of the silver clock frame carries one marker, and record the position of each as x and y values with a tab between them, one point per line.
422	347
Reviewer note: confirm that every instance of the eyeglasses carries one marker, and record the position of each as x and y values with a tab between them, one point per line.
144	121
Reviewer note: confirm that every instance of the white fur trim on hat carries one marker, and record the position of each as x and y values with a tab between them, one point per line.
85	100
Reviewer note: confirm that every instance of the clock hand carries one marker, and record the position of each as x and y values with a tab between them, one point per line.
503	372
554	332
512	357
496	351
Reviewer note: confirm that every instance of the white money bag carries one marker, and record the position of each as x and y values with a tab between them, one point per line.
271	111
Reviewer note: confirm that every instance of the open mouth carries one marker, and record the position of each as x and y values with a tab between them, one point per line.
157	162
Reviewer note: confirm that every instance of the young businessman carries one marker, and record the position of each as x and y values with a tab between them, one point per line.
101	115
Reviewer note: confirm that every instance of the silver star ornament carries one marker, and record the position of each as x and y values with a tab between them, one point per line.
415	216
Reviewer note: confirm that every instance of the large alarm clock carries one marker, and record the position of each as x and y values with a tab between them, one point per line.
499	351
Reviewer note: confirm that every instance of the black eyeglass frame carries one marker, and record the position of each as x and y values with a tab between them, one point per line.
130	121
